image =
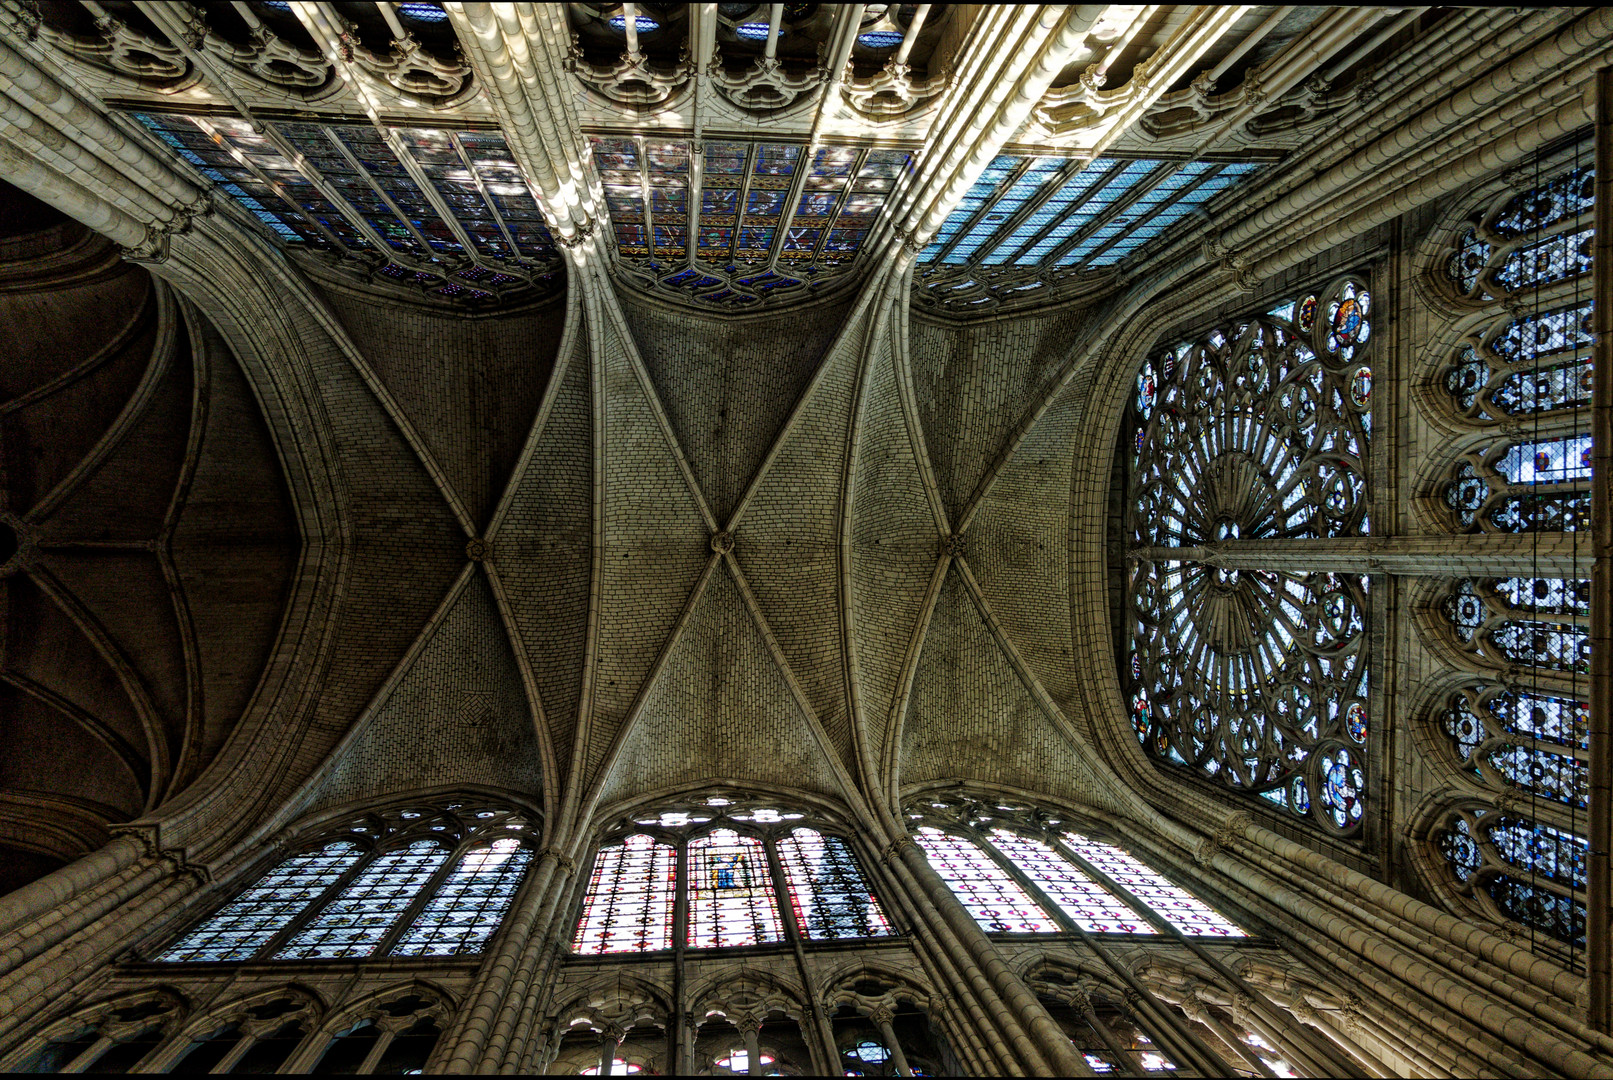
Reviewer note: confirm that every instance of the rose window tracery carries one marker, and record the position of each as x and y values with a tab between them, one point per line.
1255	675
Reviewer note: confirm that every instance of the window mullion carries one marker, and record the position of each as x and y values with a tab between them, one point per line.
775	868
680	901
421	899
333	890
1034	891
1159	921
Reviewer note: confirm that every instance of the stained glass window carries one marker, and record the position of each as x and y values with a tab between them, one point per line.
1039	214
1175	904
1532	872
1542	756
1092	882
1534	622
828	893
763	229
731	898
347	898
630	896
728	878
1537	237
1533	364
451	210
1087	903
353	923
1256	431
243	926
468	907
987	892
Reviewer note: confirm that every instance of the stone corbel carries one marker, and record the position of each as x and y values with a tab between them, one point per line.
122	50
154	248
631	80
893	90
765	84
409	67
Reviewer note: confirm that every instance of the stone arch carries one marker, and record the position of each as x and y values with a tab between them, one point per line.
392	1010
89	1033
253	1016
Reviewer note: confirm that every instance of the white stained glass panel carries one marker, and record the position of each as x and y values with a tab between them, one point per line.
629	903
359	916
828	892
987	892
1173	903
244	925
1093	907
468	908
731	899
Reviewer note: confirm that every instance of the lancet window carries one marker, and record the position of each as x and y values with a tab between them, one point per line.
431	879
447	212
1532	622
1023	870
1528	871
1538	237
1517	382
766	218
1250	674
1030	222
1530	740
1528	362
733	871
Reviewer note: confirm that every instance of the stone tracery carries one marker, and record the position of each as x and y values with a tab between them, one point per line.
1258	431
557	650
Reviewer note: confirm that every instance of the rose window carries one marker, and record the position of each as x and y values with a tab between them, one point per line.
1247	665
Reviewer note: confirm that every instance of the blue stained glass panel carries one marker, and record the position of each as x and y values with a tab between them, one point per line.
353	923
468	907
243	926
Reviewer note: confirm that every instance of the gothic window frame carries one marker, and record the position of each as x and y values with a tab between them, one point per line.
1481	794
1465	822
1304	752
1477	249
1473	619
458	825
166	1009
975	819
1462	489
236	1020
1507	637
684	822
1472	742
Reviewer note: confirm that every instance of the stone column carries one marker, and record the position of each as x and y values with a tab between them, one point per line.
961	938
882	1018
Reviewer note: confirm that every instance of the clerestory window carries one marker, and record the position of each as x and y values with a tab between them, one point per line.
1512	387
745	873
1020	870
421	880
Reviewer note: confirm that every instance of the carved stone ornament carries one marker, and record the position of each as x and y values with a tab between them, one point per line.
765	86
122	49
632	79
722	542
413	69
270	59
893	90
584	232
